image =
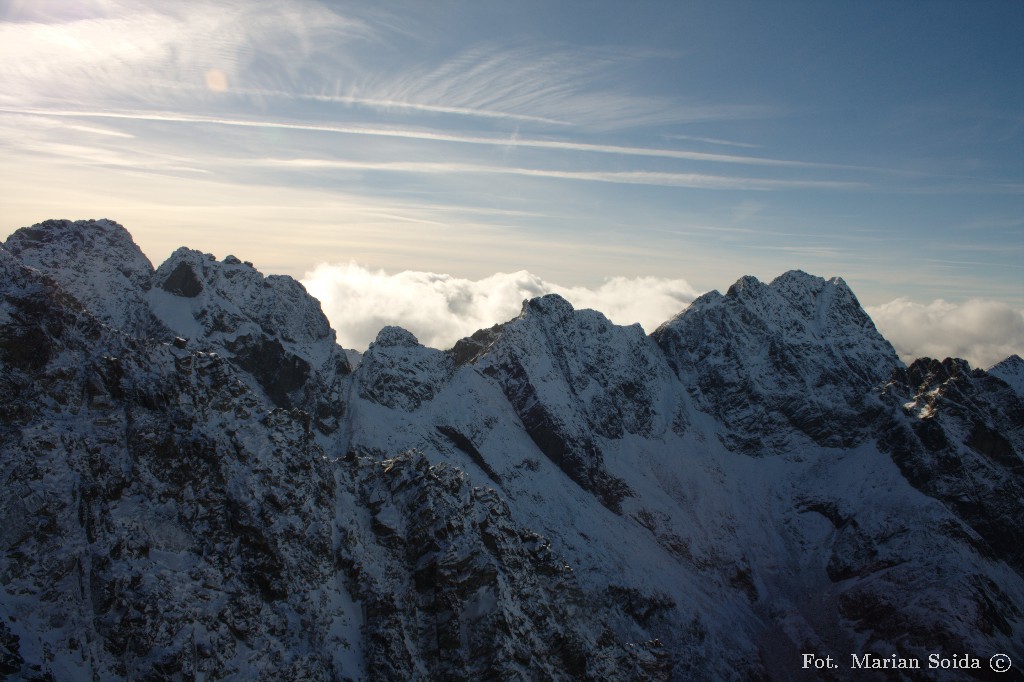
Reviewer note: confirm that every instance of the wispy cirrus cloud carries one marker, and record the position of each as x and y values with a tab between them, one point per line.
19	124
577	86
392	104
355	115
663	179
138	64
713	140
131	52
435	136
69	142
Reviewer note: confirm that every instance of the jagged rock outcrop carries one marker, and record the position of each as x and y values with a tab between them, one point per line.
230	298
196	484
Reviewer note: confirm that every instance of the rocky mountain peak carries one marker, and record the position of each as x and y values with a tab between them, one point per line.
96	261
924	372
573	376
801	290
269	325
396	371
395	337
1011	370
184	273
82	245
828	308
800	279
550	305
230	298
799	351
703	301
747	286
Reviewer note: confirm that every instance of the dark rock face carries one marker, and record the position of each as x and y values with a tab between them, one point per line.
468	350
182	282
575	454
278	372
195	484
465	444
957	435
10	660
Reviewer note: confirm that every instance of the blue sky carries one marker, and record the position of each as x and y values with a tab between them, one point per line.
578	141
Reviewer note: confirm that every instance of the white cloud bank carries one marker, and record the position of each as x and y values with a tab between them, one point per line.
441	309
982	332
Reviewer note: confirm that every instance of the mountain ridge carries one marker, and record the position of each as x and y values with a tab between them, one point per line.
223	495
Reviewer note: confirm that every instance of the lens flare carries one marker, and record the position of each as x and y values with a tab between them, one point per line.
216	80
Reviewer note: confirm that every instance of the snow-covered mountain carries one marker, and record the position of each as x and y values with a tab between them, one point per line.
199	484
796	357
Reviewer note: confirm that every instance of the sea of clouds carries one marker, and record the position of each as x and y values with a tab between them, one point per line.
441	309
982	332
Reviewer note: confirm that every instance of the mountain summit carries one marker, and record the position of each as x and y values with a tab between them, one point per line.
198	484
797	354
